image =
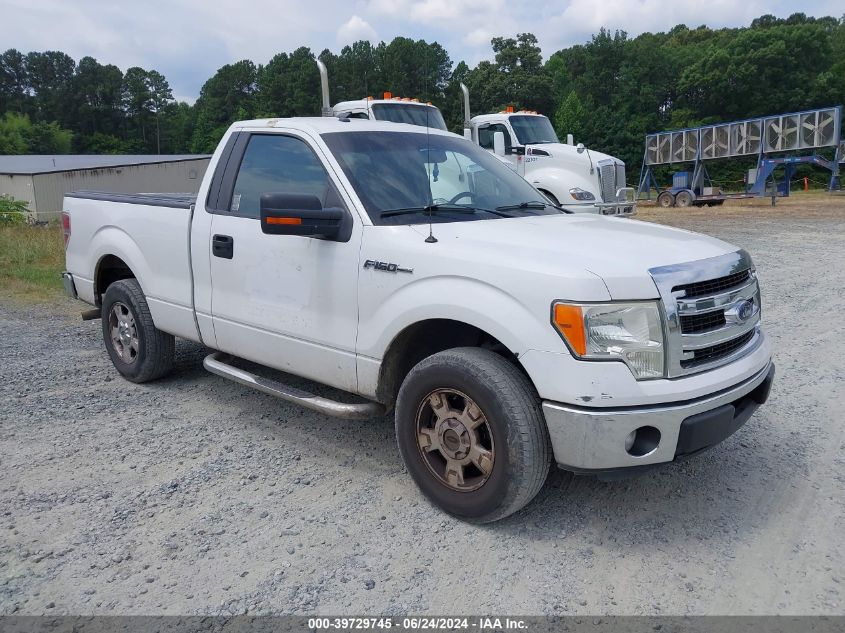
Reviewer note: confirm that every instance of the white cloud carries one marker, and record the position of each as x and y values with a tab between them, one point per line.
355	29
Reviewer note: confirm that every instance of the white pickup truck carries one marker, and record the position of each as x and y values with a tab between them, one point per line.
412	268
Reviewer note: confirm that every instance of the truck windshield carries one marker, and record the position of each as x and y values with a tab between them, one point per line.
533	129
409	178
409	113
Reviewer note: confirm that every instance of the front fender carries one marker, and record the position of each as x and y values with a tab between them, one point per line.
456	298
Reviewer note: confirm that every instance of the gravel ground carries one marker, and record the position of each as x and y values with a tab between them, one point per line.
195	495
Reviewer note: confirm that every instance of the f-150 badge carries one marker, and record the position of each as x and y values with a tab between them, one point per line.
386	267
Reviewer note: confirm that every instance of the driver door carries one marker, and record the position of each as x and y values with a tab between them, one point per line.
285	301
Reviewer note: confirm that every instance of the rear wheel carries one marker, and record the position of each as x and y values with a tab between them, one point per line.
683	199
472	434
666	200
138	350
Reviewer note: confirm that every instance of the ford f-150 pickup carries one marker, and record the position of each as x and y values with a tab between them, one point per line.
410	267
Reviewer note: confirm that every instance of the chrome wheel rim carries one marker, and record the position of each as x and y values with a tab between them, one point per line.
455	440
124	334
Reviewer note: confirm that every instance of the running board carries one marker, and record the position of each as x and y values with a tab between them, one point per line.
216	365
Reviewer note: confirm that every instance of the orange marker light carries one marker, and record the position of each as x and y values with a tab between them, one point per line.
509	109
277	220
388	95
570	323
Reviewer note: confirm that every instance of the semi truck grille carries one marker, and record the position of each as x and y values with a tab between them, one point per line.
608	180
712	311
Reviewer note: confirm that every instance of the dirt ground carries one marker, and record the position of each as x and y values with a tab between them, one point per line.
193	495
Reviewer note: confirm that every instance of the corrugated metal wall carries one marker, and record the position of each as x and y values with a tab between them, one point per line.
175	177
19	186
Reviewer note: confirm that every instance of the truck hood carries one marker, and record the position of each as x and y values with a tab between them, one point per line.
569	153
619	250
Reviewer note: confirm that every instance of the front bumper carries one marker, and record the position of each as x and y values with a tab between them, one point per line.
594	440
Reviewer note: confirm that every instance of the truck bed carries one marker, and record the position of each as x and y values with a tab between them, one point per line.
149	230
175	200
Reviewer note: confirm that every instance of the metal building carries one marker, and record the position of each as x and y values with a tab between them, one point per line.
43	180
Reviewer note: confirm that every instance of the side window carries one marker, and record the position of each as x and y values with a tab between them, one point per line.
275	163
485	136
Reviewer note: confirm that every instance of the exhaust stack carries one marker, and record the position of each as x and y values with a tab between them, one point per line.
324	87
465	90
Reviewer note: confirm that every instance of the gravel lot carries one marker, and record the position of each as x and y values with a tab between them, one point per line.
195	495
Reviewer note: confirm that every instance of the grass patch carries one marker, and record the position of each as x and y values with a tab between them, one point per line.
31	261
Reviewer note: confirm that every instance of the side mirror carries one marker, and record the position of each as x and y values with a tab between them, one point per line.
580	148
299	214
499	143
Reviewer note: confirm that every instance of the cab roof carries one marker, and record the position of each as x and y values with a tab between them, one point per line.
328	124
498	116
363	103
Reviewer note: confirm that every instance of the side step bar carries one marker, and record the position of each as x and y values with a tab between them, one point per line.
216	365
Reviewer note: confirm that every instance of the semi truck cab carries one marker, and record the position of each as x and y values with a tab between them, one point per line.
388	108
572	176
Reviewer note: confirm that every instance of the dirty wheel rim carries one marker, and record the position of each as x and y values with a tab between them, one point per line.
124	334
455	440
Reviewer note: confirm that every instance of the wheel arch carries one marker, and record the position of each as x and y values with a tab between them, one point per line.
424	338
115	255
109	269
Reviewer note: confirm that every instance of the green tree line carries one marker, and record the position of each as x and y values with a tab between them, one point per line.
609	92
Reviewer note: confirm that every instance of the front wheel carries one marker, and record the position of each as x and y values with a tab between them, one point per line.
138	350
472	434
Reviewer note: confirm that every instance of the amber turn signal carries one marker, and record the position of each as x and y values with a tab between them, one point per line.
569	321
278	220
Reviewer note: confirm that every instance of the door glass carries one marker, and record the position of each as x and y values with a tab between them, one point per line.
485	136
274	163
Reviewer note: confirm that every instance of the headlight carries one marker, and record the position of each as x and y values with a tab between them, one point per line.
580	194
630	332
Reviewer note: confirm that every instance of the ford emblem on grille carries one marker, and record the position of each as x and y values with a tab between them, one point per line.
744	310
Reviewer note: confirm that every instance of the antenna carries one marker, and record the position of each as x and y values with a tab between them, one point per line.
430	239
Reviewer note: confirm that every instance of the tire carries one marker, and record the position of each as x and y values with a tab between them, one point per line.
666	200
138	350
510	428
684	199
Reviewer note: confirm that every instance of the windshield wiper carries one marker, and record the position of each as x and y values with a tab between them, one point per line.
432	209
530	204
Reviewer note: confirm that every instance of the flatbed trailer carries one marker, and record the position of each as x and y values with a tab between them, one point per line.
677	197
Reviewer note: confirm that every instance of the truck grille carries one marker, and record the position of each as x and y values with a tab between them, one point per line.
712	286
714	352
712	312
607	180
692	323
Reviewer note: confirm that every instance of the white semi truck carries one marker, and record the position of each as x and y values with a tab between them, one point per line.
572	176
580	180
389	108
412	268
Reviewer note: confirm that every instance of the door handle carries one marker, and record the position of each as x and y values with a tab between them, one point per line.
223	246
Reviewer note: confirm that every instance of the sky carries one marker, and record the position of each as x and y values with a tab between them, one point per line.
188	40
